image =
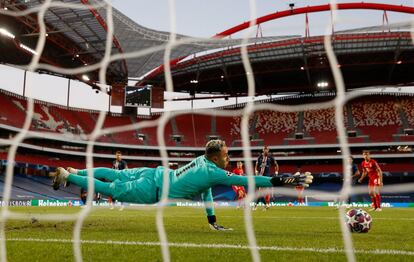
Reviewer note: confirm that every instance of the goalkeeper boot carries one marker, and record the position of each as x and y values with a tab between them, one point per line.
60	177
214	226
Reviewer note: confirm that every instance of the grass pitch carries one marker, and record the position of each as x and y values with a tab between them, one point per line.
284	233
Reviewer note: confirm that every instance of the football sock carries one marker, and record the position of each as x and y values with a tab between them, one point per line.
267	199
378	199
374	201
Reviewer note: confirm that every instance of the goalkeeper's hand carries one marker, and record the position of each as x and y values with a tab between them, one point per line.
213	225
297	179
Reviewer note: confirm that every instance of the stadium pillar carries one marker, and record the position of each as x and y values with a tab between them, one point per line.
109	103
67	100
24	83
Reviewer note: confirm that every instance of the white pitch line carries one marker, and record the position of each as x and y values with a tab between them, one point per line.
284	218
327	218
217	246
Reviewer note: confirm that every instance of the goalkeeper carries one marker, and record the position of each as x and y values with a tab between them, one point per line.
144	185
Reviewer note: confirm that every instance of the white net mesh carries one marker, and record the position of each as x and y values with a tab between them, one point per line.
338	103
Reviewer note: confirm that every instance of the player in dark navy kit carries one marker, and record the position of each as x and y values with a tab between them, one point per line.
118	164
355	175
262	168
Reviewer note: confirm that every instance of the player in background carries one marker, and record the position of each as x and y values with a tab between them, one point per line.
145	185
262	168
299	190
371	168
301	200
355	175
118	164
239	190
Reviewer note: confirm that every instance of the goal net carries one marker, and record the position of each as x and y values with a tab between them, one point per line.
334	109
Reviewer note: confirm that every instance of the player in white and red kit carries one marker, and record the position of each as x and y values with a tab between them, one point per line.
371	168
301	200
239	190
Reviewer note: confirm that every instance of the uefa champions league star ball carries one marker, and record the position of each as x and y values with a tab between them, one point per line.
358	220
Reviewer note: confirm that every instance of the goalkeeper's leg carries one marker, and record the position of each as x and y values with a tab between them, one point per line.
62	176
98	173
142	190
113	174
101	187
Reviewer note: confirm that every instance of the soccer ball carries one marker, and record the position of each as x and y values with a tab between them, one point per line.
358	220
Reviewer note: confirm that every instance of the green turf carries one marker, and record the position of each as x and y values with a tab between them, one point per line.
296	227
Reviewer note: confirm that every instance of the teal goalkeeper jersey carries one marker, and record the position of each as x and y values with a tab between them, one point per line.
197	178
145	185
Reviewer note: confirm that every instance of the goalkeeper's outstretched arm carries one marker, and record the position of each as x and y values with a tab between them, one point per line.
220	176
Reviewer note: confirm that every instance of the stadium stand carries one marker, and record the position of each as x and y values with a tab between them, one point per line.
10	113
392	115
35	187
406	107
273	126
377	118
320	124
39	159
181	129
128	137
204	128
229	129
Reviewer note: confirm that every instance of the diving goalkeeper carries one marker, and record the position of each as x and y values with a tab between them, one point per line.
144	185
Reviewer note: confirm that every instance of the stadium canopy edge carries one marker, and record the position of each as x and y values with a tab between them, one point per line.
315	9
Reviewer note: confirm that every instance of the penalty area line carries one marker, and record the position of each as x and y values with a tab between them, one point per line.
217	246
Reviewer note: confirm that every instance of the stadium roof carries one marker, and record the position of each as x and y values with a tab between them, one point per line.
135	37
77	37
403	26
299	65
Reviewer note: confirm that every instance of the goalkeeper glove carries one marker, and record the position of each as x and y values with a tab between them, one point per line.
297	179
213	225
